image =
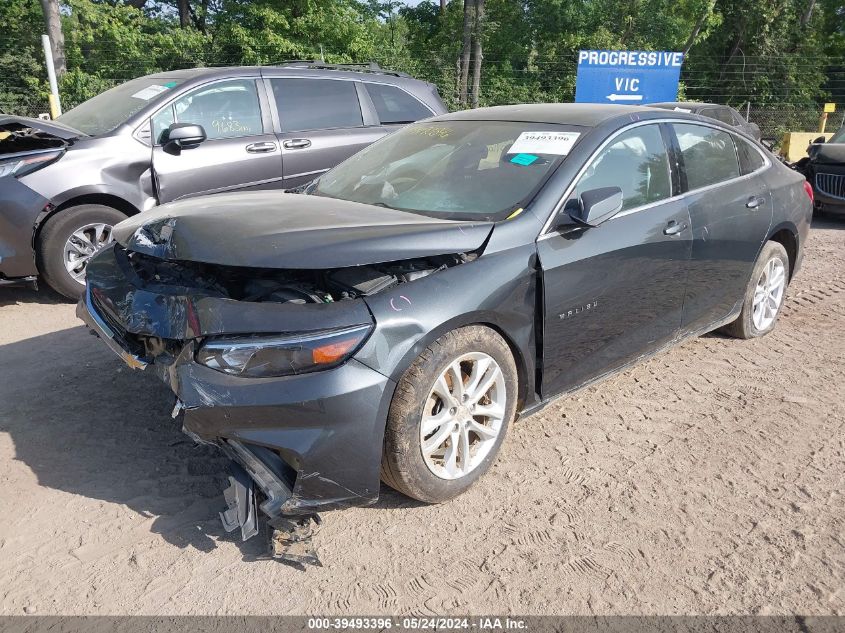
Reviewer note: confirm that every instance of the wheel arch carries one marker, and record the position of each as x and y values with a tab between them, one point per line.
77	197
786	234
522	361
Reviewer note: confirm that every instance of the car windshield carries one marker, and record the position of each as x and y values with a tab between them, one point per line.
839	137
106	111
462	170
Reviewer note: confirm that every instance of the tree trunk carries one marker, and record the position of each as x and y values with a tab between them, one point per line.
469	11
442	6
805	17
476	52
184	13
698	26
53	22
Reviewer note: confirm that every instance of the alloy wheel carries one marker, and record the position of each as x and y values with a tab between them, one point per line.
463	415
768	294
82	245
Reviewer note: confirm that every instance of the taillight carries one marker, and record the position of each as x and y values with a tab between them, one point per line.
808	189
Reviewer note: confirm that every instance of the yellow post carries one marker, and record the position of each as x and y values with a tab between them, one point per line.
54	107
828	107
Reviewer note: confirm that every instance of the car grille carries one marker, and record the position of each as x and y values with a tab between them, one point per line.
832	185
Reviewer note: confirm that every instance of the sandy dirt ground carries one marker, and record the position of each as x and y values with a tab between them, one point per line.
710	479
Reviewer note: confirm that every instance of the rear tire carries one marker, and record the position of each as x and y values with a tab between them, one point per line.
68	240
764	295
443	435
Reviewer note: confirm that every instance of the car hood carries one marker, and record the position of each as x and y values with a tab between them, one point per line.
828	153
9	123
286	230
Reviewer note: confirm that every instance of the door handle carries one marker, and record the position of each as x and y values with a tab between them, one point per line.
755	201
260	148
297	143
673	228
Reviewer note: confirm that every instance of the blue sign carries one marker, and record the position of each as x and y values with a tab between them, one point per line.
632	77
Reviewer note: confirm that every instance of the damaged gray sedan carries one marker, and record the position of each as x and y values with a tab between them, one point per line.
389	321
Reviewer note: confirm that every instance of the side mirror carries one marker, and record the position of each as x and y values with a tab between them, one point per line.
597	205
183	136
819	139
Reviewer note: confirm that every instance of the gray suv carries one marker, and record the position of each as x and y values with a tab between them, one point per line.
174	135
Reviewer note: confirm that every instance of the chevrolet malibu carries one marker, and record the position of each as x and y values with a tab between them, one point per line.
391	319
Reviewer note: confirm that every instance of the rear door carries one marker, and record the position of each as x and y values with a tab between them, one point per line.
731	211
615	291
241	150
321	123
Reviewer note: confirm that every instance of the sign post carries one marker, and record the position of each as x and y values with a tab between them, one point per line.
632	77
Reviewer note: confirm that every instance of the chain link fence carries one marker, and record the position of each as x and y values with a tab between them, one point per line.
555	81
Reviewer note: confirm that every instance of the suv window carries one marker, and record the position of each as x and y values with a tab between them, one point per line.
708	154
394	105
750	159
225	109
316	104
636	161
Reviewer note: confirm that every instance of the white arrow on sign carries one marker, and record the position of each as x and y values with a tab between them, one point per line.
616	97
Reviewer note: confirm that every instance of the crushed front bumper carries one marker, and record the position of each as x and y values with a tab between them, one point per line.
310	442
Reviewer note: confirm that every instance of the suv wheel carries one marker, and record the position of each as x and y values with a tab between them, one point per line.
68	240
449	415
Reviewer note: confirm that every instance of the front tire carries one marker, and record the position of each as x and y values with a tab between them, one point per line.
764	295
68	240
449	415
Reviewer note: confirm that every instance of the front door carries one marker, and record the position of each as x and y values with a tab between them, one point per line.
237	154
321	125
614	292
730	210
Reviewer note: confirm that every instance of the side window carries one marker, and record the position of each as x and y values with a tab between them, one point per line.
708	154
725	115
316	104
635	161
750	159
394	105
161	122
225	109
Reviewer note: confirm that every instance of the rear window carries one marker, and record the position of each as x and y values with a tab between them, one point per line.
394	105
316	104
750	160
709	155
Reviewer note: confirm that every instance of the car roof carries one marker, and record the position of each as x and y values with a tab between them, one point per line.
580	114
687	104
294	68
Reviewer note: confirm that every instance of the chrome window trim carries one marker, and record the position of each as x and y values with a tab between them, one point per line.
546	231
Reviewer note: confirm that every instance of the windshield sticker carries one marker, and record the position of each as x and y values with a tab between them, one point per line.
557	143
149	92
524	159
425	130
687	110
170	84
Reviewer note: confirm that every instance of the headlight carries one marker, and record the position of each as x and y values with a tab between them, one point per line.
265	356
27	164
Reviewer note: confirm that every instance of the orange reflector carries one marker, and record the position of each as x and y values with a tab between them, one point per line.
333	352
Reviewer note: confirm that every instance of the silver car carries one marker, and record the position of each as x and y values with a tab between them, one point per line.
65	183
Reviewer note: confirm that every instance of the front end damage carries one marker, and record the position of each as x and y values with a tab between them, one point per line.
300	443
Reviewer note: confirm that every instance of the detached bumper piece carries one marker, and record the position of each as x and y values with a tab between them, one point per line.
292	537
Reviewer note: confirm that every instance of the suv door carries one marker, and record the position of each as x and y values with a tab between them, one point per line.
615	291
240	150
320	125
731	211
